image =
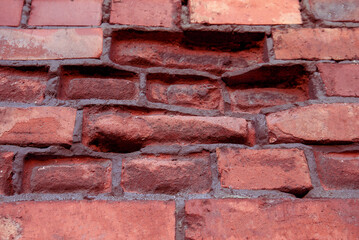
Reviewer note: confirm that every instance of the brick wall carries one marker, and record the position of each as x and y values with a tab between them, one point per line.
169	119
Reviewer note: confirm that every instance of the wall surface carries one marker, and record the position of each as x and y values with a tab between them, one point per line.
169	119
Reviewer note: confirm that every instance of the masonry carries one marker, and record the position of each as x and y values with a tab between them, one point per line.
171	119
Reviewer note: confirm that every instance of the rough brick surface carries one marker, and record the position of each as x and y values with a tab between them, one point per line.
280	169
272	219
338	170
167	174
334	10
66	12
22	85
340	79
119	132
317	43
10	12
61	175
36	44
319	123
6	159
155	13
88	220
260	12
37	126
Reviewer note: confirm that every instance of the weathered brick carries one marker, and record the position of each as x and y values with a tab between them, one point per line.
187	91
285	170
61	175
88	220
65	12
37	126
338	170
119	132
38	44
10	12
167	174
328	219
23	84
334	10
6	159
98	82
317	43
259	12
215	52
323	123
340	79
155	13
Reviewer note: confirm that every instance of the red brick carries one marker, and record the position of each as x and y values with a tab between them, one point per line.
155	13
158	49
6	159
319	43
37	126
184	91
334	10
338	170
272	169
323	123
38	44
272	219
259	12
340	79
22	85
61	175
88	220
167	174
65	12
119	132
10	12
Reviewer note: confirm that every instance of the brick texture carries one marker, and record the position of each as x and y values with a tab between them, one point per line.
337	11
6	159
10	12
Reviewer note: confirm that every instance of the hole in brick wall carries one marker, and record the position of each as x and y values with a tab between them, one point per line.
216	52
85	82
267	86
184	90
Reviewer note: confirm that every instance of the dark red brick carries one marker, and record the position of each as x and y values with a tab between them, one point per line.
319	123
88	220
61	175
338	170
259	169
6	159
37	126
334	10
65	12
22	85
328	219
10	12
340	79
167	174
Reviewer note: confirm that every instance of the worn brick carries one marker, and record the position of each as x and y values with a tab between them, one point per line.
319	123
65	12
327	219
37	126
338	170
167	174
88	220
155	13
259	12
61	175
23	84
6	159
38	44
10	12
119	132
317	43
334	10
259	169
340	79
